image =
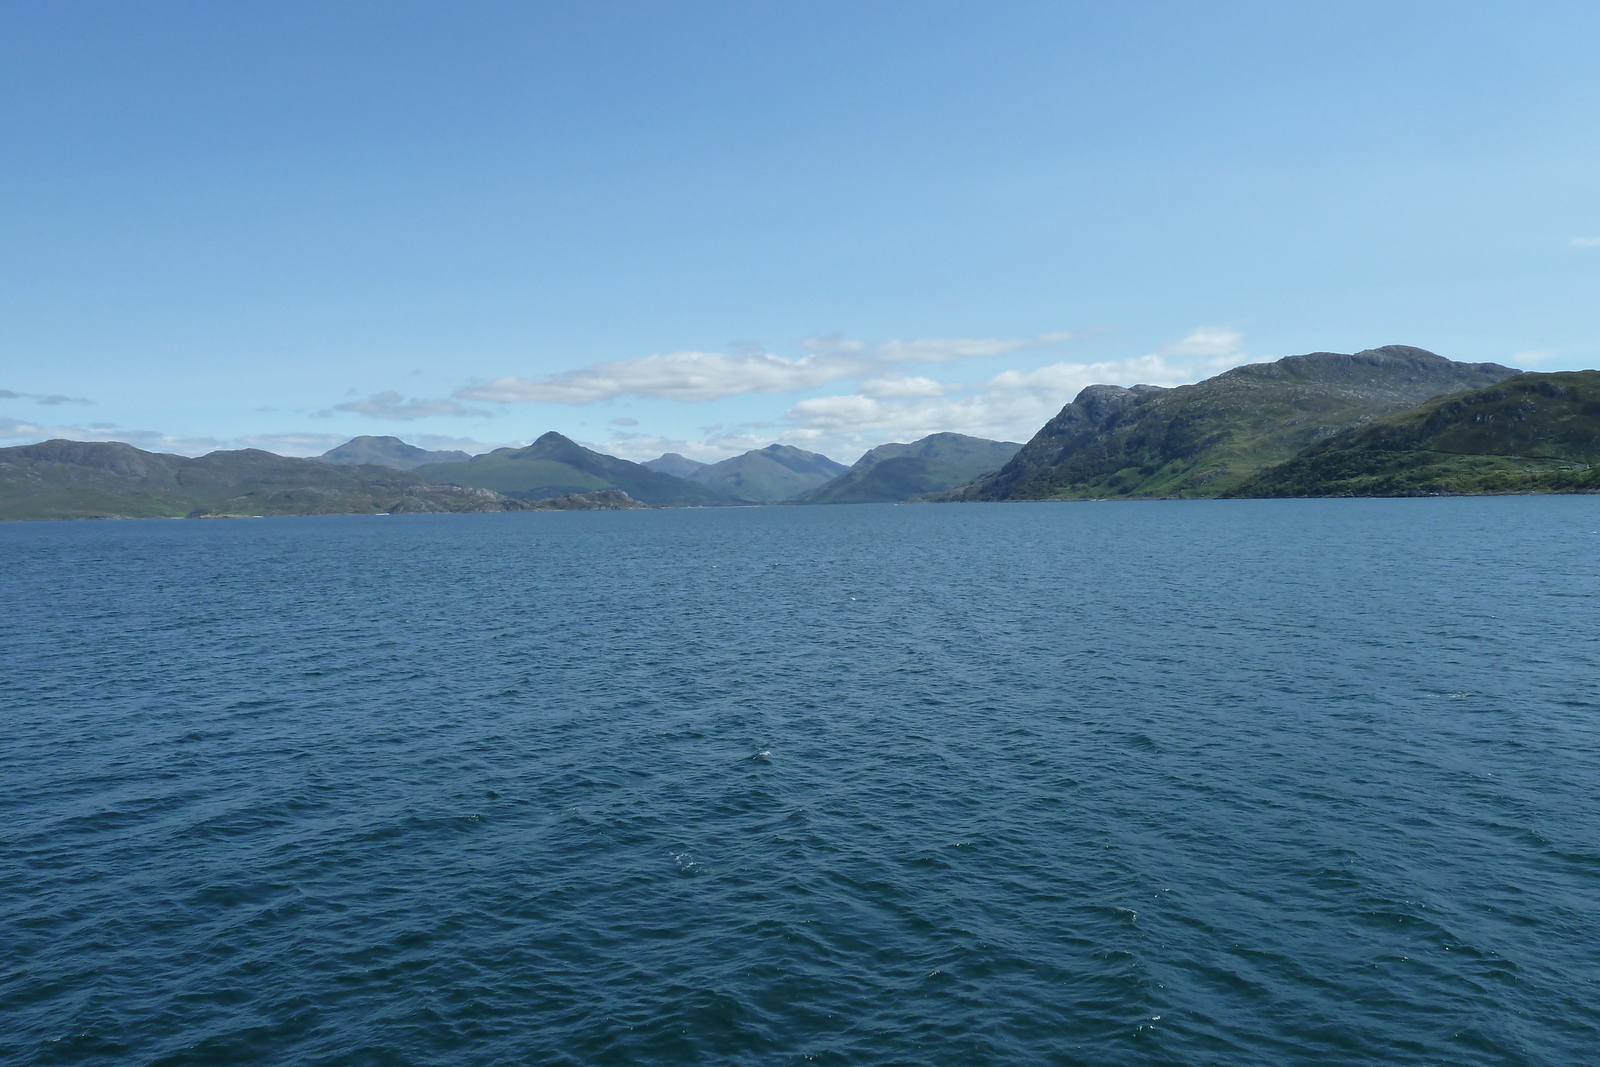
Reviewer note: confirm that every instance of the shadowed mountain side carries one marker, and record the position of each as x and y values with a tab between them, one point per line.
77	479
769	475
895	472
388	452
556	466
673	464
1535	433
1206	439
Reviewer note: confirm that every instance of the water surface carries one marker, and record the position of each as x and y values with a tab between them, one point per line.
1233	783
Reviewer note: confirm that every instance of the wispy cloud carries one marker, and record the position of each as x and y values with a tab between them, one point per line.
47	399
1586	242
18	431
391	405
1207	341
950	349
892	388
692	376
683	376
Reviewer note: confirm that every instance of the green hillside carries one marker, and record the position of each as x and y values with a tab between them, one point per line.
77	479
769	475
1535	433
556	466
1208	438
894	472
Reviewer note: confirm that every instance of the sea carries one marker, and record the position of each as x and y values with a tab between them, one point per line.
1190	783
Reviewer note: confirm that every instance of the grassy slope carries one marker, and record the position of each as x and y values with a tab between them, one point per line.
1208	438
1532	433
555	466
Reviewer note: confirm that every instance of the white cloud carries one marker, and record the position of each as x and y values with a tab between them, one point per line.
1207	341
1010	405
683	376
695	376
950	349
391	405
892	388
1586	242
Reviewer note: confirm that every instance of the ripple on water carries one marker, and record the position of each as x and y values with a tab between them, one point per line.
1207	783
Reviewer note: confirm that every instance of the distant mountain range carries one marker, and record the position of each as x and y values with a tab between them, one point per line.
1211	437
76	479
388	452
895	472
555	465
1392	421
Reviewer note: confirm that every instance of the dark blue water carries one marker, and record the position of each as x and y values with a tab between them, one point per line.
1176	783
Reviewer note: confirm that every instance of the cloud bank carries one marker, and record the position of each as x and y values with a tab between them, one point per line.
690	377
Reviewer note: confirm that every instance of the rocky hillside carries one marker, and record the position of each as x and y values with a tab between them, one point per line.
1535	433
1208	438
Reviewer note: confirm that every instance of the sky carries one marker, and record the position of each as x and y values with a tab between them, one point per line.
703	227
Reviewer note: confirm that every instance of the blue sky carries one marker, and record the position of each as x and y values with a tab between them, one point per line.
702	227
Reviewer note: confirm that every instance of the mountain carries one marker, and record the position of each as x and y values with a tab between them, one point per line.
1208	438
673	464
901	471
77	479
388	452
769	475
556	466
1535	433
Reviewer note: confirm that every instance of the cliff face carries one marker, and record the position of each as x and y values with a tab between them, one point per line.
1208	438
